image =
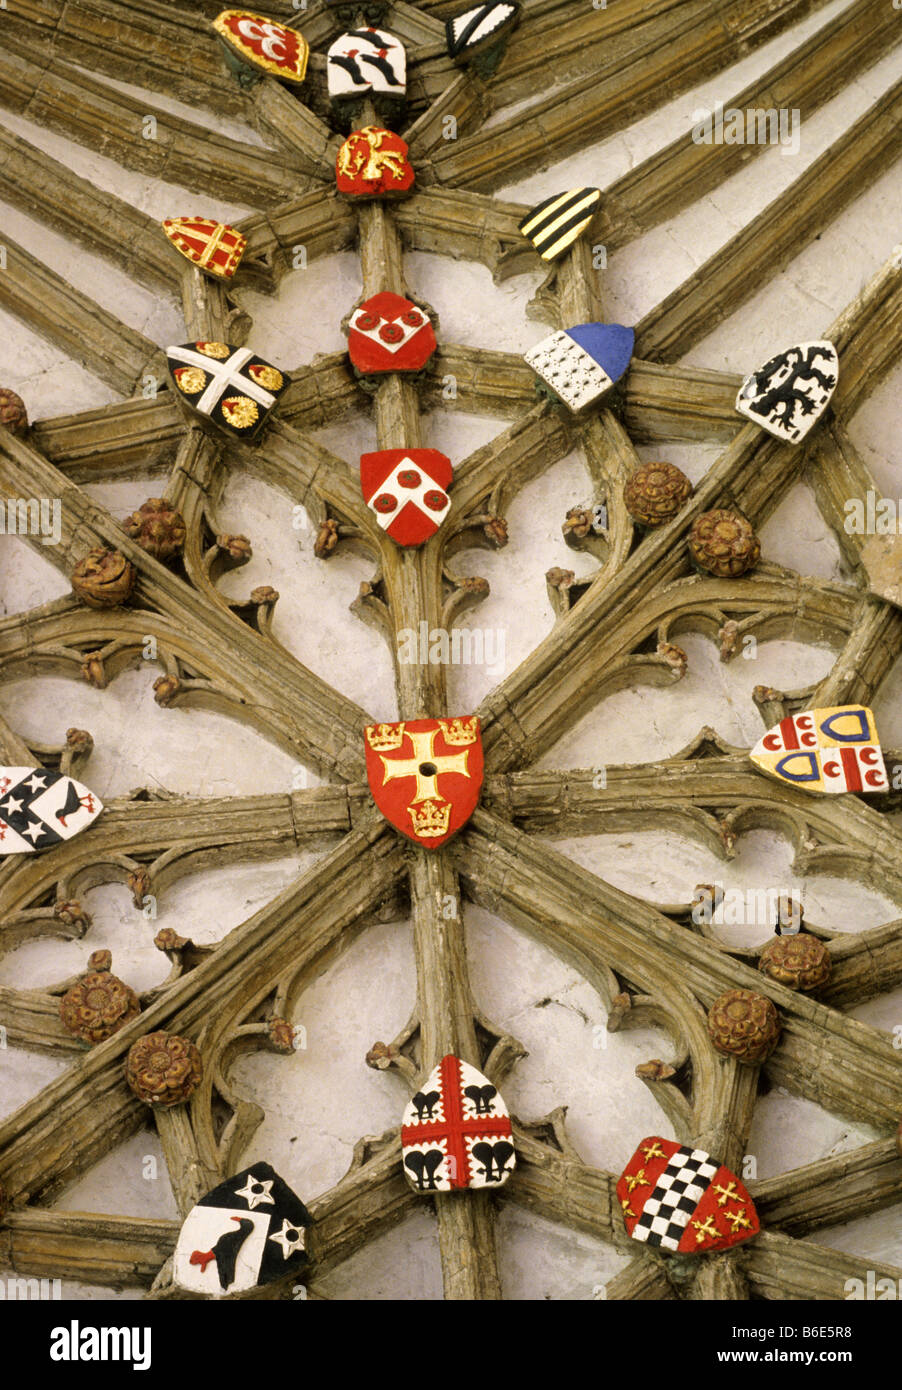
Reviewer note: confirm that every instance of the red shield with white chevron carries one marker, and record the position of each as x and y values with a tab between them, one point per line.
406	490
456	1131
388	333
425	775
677	1198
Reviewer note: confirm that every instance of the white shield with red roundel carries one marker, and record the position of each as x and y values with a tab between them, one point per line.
825	750
406	490
456	1131
388	333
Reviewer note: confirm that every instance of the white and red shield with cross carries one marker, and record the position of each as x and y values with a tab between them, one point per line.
406	490
456	1132
388	333
425	775
825	750
677	1198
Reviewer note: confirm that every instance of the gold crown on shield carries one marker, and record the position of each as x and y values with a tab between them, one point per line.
430	818
460	731
384	737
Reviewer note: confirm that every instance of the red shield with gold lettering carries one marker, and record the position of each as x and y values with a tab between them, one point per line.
213	246
388	333
425	775
677	1198
406	490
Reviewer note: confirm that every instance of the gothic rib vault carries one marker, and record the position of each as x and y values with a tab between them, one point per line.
647	965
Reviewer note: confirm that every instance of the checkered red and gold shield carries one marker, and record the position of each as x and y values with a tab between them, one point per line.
425	775
680	1199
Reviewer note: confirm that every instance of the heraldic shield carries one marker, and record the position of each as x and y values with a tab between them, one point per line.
425	775
248	1231
681	1199
825	750
456	1132
40	808
406	490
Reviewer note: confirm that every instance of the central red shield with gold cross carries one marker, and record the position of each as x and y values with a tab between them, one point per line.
425	775
456	1131
389	333
677	1198
406	490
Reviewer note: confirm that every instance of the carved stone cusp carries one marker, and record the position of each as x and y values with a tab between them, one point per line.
163	1069
655	493
73	914
281	1035
166	688
728	636
724	543
13	415
495	528
675	658
744	1025
157	527
103	579
798	962
326	538
238	549
98	1004
139	885
93	672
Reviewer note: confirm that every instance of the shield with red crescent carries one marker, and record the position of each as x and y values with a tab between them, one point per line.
406	490
425	775
825	750
212	246
677	1198
388	333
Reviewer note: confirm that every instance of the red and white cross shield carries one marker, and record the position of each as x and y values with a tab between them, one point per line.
406	490
456	1132
388	333
425	775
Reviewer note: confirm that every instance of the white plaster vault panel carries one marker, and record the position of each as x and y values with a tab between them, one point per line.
308	1133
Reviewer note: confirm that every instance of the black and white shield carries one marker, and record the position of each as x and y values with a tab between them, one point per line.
364	61
473	30
248	1231
232	386
791	392
39	808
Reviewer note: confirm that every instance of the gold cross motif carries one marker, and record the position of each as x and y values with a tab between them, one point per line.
706	1228
653	1150
727	1194
739	1219
636	1180
627	1209
423	756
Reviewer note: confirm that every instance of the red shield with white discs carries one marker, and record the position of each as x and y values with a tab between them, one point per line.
425	775
388	333
406	490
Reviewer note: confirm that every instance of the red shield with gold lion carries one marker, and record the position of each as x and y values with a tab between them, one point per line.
425	775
